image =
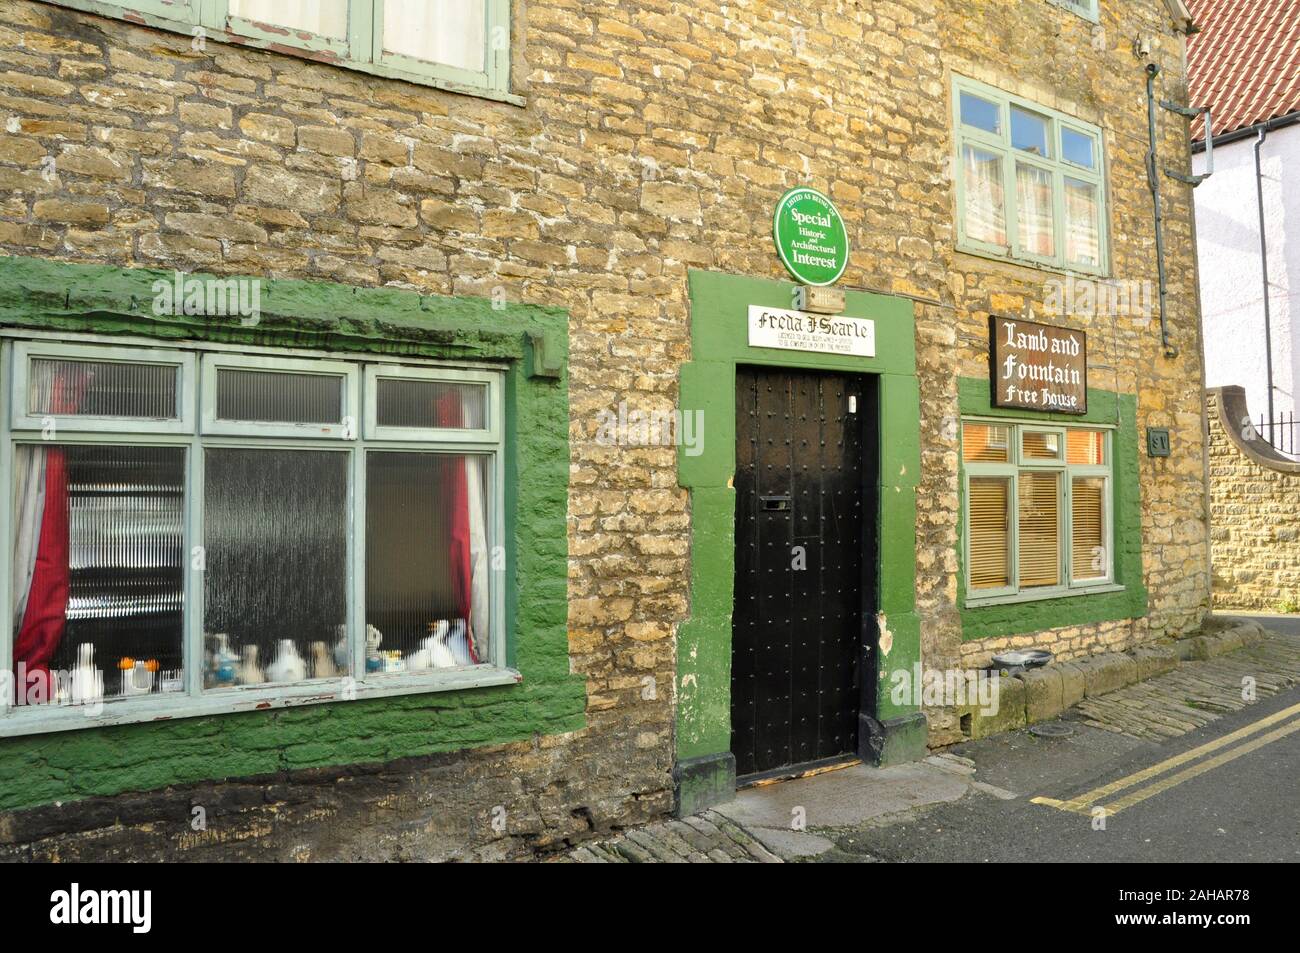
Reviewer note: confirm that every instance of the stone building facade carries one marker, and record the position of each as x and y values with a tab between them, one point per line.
1254	511
571	224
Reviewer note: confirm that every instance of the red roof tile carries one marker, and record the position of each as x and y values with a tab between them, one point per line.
1245	62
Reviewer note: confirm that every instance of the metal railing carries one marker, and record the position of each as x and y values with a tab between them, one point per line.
1282	434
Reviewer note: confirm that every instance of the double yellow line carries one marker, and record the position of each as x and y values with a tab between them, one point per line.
1087	803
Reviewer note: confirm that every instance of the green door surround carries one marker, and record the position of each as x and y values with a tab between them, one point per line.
705	770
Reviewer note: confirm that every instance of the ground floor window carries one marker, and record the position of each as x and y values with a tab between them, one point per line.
186	525
1037	509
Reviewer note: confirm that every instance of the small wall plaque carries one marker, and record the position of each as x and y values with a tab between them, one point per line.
1157	442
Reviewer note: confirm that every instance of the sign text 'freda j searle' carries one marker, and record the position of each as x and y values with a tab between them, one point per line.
801	331
1038	367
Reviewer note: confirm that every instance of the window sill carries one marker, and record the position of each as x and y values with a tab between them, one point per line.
1044	596
964	249
44	719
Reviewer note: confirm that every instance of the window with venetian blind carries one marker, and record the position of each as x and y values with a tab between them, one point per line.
1037	509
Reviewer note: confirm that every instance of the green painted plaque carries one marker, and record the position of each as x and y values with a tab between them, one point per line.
810	237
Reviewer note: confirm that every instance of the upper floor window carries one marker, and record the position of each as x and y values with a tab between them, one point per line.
1030	181
1085	8
454	44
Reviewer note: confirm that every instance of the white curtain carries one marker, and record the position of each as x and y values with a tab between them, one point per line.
29	509
478	555
1034	210
438	31
986	219
322	17
1082	244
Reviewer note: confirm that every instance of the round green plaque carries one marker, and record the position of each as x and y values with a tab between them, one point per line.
810	237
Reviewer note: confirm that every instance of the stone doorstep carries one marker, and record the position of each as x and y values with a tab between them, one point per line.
1041	694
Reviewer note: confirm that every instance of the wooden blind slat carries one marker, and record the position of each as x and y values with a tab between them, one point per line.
985	443
1040	544
1086	447
1088	536
990	558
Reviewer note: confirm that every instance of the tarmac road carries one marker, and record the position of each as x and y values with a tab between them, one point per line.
1223	793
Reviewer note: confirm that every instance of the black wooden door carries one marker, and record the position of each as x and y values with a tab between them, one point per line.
805	553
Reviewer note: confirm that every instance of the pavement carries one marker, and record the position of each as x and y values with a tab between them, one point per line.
1199	764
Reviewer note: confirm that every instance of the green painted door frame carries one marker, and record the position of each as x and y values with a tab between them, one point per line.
705	769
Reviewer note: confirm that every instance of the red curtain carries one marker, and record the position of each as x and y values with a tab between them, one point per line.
45	617
43	622
451	413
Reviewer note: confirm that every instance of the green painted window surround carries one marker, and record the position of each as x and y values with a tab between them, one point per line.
1012	471
990	131
362	49
1125	597
527	343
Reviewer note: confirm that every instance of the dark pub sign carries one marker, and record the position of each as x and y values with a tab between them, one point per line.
1037	366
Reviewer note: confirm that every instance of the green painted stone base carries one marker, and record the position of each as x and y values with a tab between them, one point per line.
703	782
894	740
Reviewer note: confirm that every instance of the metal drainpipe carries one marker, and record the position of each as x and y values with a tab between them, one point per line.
1263	262
1153	179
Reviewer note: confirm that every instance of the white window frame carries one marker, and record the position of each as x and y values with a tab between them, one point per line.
1011	470
377	372
213	364
362	48
194	701
999	144
19	365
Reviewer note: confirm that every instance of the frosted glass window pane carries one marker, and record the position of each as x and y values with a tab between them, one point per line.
321	17
275	593
102	389
430	404
276	397
427	584
98	539
443	31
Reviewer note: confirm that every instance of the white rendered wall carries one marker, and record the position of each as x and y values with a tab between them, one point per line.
1228	254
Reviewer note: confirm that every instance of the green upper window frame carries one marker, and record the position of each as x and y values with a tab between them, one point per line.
1030	181
1088	9
474	59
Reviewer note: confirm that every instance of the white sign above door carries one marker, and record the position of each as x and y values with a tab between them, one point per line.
802	331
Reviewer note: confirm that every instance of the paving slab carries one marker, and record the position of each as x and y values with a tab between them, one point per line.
844	798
